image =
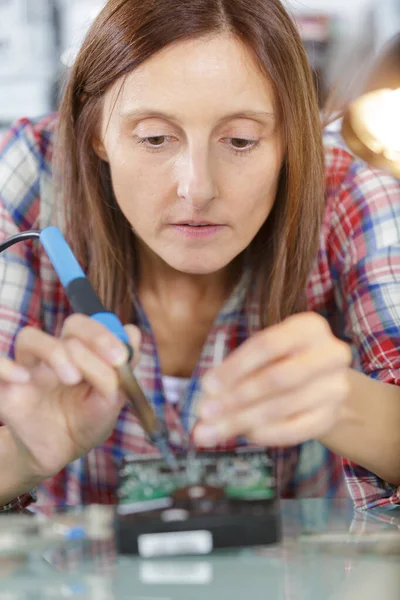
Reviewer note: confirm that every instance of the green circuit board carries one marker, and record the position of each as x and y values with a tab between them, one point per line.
244	474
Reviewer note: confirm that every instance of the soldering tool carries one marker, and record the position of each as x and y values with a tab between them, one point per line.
84	300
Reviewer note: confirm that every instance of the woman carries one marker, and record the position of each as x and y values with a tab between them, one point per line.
186	168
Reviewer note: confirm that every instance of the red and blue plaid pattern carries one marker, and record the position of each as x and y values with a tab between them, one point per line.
354	284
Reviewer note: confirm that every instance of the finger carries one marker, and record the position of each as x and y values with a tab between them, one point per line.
292	373
301	428
100	375
267	346
45	377
267	414
99	339
10	372
33	346
332	392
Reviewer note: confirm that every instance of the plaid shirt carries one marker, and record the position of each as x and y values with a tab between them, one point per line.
353	284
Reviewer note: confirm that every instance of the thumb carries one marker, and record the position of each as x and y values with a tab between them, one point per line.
135	337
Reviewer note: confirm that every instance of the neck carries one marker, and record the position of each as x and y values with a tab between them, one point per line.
157	279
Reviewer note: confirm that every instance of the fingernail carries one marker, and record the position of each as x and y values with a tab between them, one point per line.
69	373
20	375
211	384
206	435
116	356
210	409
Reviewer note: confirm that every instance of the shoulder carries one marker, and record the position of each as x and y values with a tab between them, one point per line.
33	137
26	152
362	203
346	173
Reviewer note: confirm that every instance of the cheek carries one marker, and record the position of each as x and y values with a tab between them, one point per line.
137	191
254	195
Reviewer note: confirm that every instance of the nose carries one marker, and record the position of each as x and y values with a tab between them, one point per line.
196	180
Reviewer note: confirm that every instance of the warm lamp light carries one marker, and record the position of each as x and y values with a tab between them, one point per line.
371	125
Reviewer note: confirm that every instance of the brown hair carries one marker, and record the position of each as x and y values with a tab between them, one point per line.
125	34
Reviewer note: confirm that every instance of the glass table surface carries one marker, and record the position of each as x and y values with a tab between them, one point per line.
328	552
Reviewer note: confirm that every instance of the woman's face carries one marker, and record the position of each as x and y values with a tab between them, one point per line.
195	151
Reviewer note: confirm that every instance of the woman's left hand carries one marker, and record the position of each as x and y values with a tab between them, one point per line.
283	386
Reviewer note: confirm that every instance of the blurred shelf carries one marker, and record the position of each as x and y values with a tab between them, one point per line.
34	34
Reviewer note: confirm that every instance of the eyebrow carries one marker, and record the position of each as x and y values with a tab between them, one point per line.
156	114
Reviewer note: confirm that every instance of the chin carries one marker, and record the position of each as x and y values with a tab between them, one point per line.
198	266
197	269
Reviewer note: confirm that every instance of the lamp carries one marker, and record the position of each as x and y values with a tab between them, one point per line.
371	125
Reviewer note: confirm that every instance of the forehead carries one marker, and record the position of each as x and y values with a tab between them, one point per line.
215	74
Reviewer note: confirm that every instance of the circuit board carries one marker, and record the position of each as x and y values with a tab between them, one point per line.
213	500
244	474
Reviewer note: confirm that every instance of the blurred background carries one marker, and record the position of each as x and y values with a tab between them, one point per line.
38	39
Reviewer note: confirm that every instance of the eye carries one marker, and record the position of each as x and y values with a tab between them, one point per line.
155	140
241	143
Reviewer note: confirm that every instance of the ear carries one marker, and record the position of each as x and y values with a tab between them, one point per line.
99	149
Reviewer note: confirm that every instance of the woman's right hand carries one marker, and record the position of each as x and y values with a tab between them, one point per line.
71	400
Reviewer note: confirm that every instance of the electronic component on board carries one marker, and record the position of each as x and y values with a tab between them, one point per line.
217	500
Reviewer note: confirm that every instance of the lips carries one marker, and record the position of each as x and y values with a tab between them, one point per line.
197	223
196	230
